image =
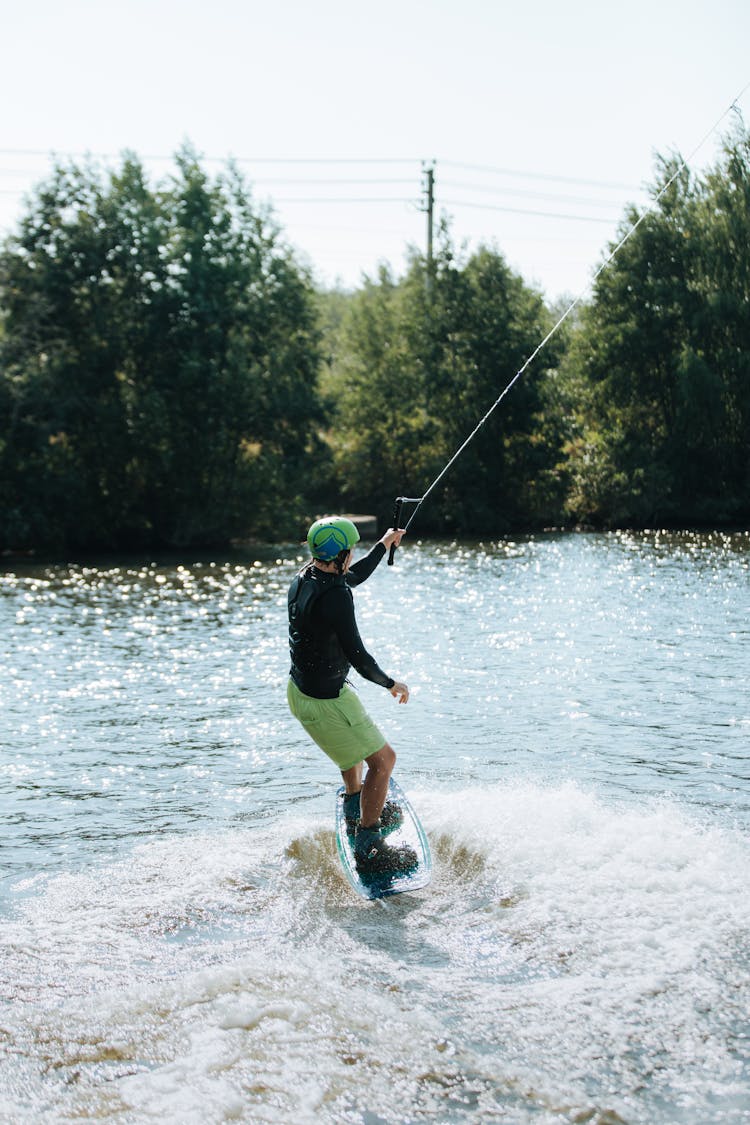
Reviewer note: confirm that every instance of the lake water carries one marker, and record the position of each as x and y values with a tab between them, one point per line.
177	942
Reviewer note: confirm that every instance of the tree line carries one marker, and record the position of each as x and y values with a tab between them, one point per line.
171	376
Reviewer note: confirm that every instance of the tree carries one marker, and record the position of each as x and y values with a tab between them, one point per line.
486	322
376	396
418	366
159	363
715	365
664	349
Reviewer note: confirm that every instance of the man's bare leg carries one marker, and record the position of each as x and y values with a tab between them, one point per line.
352	779
375	789
371	852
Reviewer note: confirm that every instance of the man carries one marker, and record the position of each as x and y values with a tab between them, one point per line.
325	643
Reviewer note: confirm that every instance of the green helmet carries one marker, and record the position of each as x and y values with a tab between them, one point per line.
330	535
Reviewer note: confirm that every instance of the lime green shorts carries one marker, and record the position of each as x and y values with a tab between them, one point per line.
341	727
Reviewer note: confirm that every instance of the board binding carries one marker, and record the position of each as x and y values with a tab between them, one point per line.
382	884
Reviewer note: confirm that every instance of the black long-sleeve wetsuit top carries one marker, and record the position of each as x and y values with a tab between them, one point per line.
324	640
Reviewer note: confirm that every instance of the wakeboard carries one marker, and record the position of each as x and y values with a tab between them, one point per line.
381	883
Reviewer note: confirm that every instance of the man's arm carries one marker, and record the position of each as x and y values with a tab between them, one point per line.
359	571
336	609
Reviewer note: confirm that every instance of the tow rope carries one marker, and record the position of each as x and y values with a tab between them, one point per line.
419	501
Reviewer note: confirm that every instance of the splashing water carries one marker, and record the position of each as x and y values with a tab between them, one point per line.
178	942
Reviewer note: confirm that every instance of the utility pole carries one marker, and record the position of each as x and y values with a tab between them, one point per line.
428	189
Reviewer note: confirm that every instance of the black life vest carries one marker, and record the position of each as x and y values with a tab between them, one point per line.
317	656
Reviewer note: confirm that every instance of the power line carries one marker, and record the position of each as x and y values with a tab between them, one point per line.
344	161
310	183
524	211
530	194
326	181
549	176
342	199
229	158
327	161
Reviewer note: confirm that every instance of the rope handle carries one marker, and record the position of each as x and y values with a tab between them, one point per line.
396	517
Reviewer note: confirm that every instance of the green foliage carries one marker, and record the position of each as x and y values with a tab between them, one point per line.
636	412
374	432
486	322
168	376
664	350
159	364
416	366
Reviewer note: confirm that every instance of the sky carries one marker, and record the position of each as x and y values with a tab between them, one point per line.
542	121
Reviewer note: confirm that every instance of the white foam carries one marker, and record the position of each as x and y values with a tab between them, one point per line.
571	955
